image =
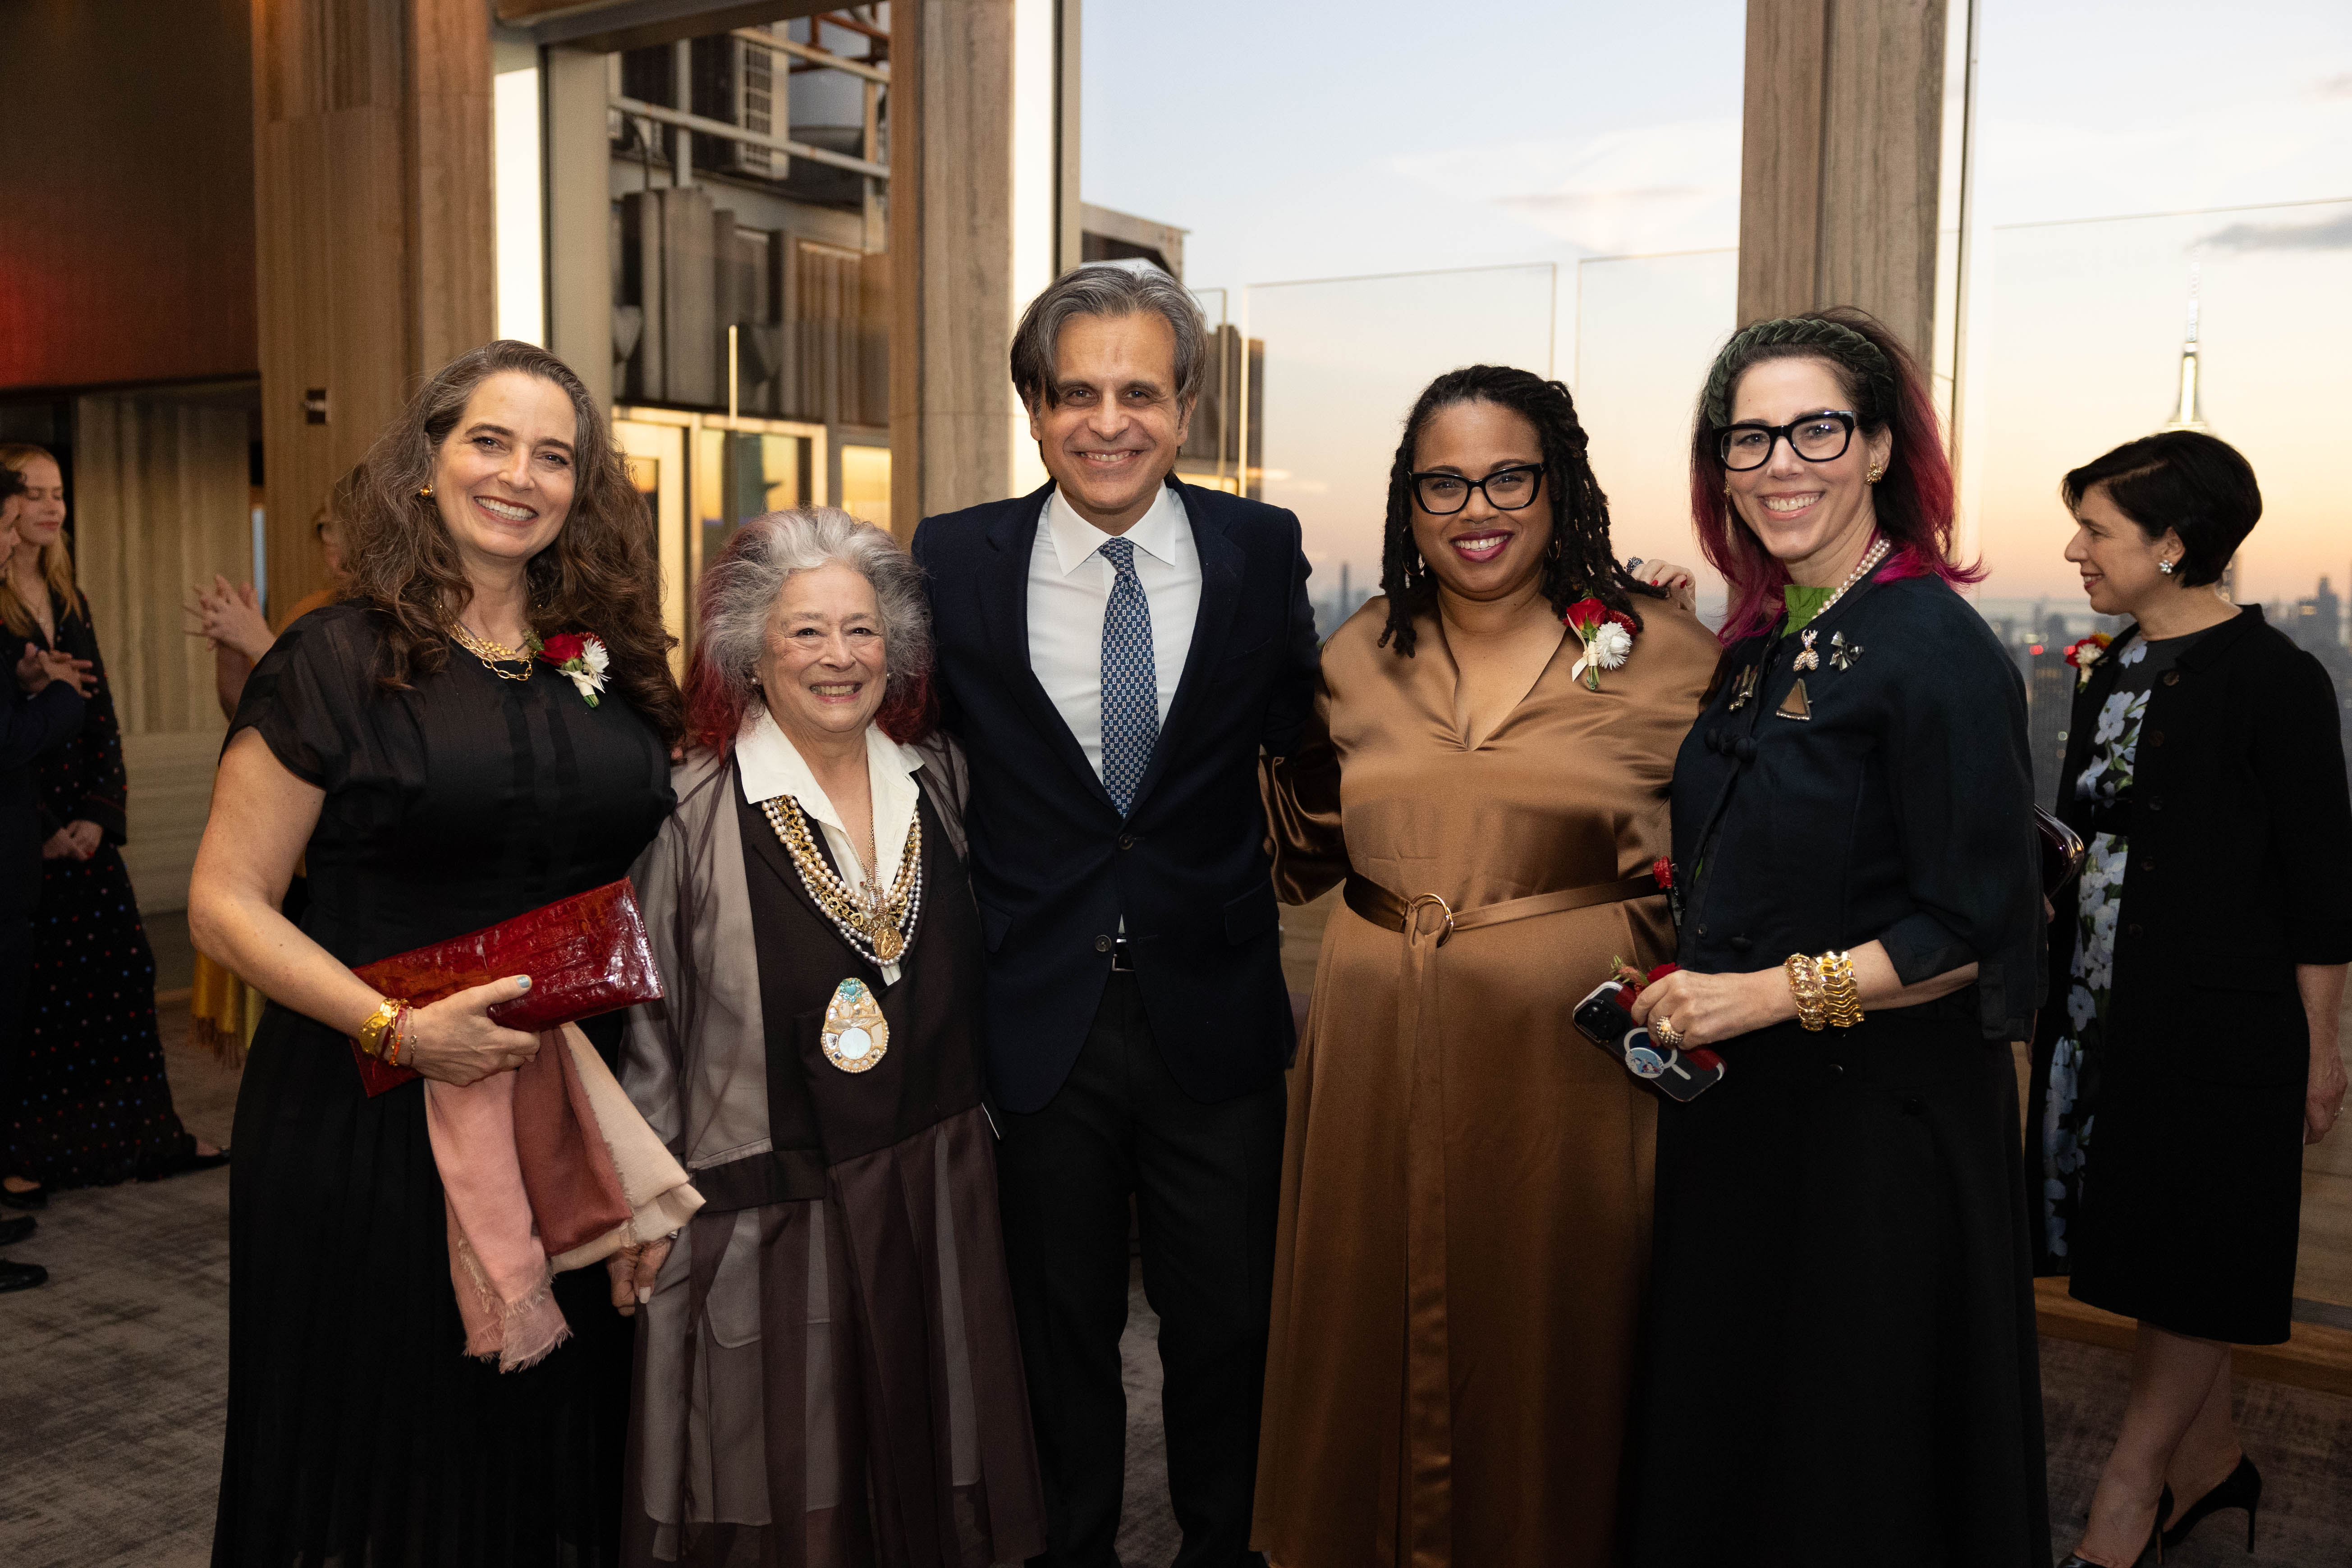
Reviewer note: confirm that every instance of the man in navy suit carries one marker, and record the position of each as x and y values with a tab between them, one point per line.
1116	651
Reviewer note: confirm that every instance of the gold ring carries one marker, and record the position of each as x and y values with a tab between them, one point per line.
1413	916
1663	1030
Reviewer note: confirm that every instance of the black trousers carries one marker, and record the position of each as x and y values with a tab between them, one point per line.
1205	1180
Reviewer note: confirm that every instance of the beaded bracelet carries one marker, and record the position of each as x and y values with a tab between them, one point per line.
1805	985
1843	998
396	1035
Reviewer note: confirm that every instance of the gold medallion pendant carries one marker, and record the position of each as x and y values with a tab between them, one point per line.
855	1034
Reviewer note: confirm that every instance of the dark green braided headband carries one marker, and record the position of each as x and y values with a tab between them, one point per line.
1835	340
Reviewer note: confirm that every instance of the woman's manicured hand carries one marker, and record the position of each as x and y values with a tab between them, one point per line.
634	1270
454	1039
1708	1009
1677	580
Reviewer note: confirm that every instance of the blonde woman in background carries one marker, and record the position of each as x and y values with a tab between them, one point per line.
95	1106
223	1010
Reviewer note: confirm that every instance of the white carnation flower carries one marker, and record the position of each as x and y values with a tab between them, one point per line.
1610	645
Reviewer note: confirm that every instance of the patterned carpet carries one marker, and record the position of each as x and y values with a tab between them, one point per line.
111	1381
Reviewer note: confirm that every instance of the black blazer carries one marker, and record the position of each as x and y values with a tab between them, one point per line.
2240	828
1054	867
1899	809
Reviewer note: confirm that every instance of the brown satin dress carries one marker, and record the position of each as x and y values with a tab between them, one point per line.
1465	1187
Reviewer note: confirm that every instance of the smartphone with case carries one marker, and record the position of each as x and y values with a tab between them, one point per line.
1603	1018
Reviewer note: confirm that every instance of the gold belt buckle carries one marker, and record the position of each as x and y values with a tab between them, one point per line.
1413	916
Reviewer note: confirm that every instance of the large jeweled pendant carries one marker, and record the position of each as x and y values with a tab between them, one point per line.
855	1035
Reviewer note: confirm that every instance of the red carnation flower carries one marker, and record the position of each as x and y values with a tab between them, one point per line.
563	648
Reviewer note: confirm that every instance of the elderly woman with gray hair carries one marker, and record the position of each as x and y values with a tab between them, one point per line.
828	1372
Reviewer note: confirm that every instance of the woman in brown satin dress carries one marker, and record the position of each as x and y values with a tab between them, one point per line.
1465	1177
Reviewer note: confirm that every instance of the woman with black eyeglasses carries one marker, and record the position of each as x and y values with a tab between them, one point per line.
1840	1364
1465	1182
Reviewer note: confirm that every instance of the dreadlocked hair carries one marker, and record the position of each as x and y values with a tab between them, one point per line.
1578	562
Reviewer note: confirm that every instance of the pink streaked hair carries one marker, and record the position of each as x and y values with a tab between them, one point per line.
1913	499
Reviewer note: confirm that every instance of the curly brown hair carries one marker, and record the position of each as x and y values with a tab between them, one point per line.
597	575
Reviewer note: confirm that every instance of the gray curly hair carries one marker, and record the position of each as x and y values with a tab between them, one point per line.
739	593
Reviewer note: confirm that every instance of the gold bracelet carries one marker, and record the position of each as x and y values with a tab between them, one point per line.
370	1035
396	1036
1837	989
1805	985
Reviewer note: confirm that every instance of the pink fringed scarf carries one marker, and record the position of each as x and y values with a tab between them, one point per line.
543	1169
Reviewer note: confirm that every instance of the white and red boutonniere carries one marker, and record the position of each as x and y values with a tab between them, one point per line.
2085	655
1607	636
581	656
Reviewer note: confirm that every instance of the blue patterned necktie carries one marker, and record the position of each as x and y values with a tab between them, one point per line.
1130	686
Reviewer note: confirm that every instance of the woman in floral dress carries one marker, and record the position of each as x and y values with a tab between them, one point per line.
2201	970
2103	790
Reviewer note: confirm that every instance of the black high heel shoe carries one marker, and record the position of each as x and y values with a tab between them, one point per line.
2156	1540
2243	1490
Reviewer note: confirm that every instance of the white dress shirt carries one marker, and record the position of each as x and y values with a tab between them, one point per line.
772	765
1069	589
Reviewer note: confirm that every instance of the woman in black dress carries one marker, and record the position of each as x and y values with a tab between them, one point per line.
1842	1364
2195	1051
94	1105
442	779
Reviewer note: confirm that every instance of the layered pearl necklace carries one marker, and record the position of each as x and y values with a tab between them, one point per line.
1870	559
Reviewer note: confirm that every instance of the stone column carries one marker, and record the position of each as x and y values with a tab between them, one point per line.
371	166
984	133
1841	160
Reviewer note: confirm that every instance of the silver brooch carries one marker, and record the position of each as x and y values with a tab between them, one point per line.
1843	654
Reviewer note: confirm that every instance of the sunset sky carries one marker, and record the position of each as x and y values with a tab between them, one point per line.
1312	142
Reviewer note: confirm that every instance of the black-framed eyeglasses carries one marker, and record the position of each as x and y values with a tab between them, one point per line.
1817	438
1506	490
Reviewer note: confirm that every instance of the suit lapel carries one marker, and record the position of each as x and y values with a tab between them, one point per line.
1004	610
1220	581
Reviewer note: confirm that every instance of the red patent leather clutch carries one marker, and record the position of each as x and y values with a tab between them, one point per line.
586	955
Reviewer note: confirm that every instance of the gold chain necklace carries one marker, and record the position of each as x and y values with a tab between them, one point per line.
494	654
878	926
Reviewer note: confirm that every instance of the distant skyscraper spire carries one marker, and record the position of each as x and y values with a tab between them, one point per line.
2190	415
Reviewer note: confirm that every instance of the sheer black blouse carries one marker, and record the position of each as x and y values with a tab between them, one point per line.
462	802
1890	801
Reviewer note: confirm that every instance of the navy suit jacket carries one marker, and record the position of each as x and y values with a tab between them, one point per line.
1055	867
